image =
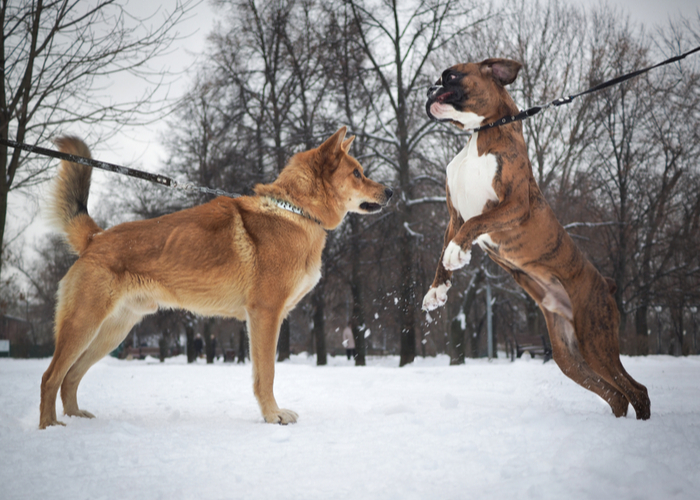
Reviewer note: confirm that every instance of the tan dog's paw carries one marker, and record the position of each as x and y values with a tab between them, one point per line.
44	425
282	417
436	296
79	413
455	258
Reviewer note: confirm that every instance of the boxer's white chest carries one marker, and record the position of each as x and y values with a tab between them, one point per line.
470	180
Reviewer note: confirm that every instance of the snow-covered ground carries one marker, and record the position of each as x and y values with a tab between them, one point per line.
485	430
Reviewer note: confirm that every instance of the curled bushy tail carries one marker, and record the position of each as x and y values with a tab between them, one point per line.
69	197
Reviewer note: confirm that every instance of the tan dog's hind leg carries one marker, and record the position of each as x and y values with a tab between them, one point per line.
264	326
111	333
81	309
74	334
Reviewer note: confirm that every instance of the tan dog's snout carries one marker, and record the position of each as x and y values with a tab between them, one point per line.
388	193
382	198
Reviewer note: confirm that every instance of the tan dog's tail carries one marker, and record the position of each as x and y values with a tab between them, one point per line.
69	197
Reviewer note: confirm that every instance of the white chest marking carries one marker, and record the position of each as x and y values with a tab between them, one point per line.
304	286
470	179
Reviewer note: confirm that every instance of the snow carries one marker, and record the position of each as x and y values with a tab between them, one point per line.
491	430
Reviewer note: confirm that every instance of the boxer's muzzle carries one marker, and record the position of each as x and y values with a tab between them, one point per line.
440	93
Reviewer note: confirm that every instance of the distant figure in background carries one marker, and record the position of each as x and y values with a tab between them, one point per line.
349	342
211	355
198	345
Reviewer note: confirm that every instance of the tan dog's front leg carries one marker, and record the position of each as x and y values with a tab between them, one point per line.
264	326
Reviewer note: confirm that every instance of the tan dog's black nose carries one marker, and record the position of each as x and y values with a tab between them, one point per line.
388	193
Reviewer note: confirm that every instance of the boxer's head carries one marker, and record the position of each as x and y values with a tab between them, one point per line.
473	94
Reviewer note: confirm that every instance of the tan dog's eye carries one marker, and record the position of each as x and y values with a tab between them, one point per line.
357	174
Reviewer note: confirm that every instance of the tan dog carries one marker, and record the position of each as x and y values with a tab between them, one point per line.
251	258
493	200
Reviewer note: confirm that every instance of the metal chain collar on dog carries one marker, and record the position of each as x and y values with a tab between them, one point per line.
132	172
285	205
527	113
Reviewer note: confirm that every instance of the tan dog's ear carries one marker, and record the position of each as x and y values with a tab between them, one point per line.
328	154
346	143
503	71
332	145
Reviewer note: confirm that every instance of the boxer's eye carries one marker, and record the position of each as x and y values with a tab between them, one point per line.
449	77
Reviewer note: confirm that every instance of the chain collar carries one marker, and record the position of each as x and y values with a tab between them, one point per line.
290	207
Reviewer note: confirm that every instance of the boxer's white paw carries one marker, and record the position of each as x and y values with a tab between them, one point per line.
455	257
436	297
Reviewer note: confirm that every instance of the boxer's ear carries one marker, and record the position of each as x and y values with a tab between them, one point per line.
503	71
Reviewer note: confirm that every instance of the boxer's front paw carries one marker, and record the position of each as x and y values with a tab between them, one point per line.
455	258
436	297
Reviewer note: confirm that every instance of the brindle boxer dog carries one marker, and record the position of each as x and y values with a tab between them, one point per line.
493	200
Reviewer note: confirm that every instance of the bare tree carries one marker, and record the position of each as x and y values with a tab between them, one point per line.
54	55
399	41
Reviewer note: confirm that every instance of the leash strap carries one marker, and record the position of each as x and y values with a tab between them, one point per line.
527	113
132	172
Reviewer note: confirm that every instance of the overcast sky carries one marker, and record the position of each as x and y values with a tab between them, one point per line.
651	12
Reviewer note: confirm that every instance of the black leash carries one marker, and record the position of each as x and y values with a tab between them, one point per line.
566	100
157	178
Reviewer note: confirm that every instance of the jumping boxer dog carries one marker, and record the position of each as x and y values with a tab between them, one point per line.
494	201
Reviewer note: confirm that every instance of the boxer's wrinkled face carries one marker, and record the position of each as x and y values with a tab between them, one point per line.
472	94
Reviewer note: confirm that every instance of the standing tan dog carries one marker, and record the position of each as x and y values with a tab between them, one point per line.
493	200
252	258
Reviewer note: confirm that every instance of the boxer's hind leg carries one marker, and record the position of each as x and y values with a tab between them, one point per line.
572	363
556	307
599	345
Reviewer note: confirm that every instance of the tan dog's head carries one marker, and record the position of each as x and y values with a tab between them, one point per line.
473	94
328	183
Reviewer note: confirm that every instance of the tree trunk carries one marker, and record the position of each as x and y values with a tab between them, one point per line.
407	301
163	345
283	343
319	329
475	339
457	342
533	317
209	340
189	333
676	348
461	337
3	216
243	345
641	326
4	189
357	320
